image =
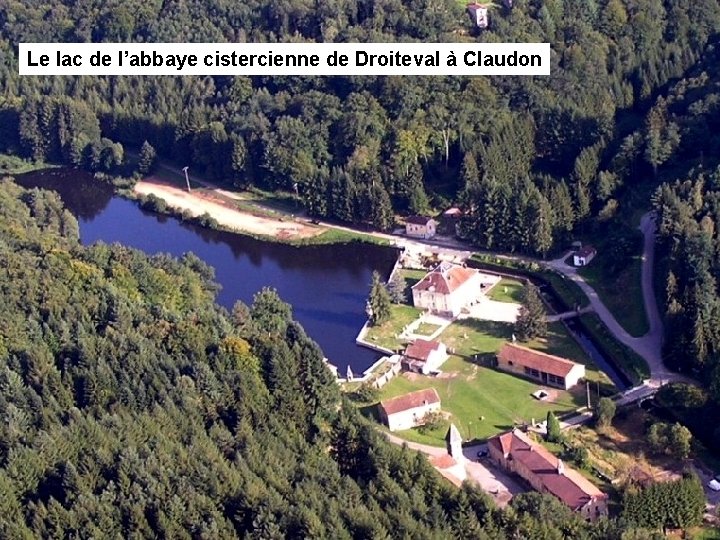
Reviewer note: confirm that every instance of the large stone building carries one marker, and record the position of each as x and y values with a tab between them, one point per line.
515	452
545	368
409	410
447	289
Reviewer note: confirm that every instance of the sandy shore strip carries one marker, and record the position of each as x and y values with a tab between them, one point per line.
199	202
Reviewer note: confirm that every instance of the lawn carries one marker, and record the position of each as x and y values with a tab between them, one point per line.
385	335
481	401
507	290
620	291
469	390
426	329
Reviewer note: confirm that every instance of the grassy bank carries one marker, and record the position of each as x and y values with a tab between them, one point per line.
620	289
631	363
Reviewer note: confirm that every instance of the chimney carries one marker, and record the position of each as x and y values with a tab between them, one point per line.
560	467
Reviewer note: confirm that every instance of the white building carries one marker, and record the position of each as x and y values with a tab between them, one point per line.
479	14
420	227
408	411
447	289
583	256
545	368
424	356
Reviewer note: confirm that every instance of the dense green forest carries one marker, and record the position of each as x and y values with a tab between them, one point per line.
134	407
528	157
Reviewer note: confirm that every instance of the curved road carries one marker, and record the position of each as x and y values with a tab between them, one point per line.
648	346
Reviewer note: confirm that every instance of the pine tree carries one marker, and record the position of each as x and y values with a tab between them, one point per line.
378	305
381	212
531	322
396	288
146	162
554	434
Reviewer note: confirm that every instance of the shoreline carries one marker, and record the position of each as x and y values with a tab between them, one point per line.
232	218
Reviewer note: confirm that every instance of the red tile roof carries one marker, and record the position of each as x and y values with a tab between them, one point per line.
420	349
418	220
570	487
445	278
444	461
410	401
547	363
586	251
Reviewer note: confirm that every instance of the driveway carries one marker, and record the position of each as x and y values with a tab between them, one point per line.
500	485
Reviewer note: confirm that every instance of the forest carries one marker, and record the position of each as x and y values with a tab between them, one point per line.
134	406
530	159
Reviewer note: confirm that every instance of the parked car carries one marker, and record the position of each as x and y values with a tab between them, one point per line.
714	483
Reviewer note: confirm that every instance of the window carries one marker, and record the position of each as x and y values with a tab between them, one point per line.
510	363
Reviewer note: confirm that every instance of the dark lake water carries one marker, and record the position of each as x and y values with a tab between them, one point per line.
326	285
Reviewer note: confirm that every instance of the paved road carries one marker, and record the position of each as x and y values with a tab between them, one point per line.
648	346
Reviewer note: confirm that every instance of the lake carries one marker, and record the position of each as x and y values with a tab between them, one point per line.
326	285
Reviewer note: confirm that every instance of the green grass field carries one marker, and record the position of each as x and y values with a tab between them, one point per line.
507	290
469	390
385	334
481	401
621	293
426	329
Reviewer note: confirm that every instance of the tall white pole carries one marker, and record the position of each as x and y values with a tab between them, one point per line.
187	180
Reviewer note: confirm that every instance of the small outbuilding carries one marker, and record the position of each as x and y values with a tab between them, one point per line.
584	255
420	227
479	14
424	356
409	410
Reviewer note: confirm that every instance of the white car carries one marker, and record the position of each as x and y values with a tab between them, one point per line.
714	484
